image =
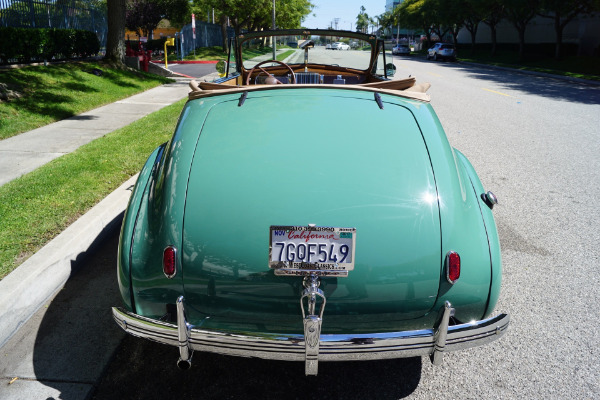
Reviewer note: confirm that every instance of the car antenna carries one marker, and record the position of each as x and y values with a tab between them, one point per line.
242	99
378	100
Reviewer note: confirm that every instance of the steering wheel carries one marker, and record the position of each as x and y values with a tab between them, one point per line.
262	70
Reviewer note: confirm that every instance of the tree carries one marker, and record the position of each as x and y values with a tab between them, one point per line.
439	23
372	24
178	12
473	18
115	36
256	14
564	11
142	16
416	14
386	21
520	13
494	13
289	14
362	20
452	15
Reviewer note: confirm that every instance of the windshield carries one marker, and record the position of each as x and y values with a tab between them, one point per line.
339	51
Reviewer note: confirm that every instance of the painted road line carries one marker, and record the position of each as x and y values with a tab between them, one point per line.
500	93
436	75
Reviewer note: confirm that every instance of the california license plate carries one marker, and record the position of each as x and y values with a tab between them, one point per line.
305	250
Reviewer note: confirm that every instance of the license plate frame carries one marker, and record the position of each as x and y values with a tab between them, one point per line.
311	250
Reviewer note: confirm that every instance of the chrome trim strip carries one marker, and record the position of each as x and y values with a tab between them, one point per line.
291	347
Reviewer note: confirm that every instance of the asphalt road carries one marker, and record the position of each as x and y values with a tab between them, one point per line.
192	70
534	142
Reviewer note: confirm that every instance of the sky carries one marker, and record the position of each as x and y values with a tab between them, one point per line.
345	10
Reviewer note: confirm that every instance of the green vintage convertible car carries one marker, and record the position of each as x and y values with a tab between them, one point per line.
310	208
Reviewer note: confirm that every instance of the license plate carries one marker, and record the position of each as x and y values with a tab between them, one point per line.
305	250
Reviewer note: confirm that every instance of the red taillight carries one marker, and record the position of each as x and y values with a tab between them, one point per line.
452	266
170	261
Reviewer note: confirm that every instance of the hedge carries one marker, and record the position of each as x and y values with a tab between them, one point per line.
30	44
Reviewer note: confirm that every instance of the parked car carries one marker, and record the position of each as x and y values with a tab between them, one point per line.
340	46
328	46
444	51
401	49
264	228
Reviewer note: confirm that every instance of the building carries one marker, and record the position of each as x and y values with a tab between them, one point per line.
391	4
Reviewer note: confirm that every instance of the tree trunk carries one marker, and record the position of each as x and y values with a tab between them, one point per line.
224	32
455	36
558	28
115	37
521	30
473	31
493	37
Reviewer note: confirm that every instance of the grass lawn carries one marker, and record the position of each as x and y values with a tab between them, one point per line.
60	91
203	54
585	67
285	54
38	206
216	53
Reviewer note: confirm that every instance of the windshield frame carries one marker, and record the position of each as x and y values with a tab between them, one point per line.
374	42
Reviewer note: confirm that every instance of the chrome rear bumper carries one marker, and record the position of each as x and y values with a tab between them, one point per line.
287	347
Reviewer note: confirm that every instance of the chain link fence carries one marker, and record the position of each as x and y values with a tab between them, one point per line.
63	14
207	35
70	14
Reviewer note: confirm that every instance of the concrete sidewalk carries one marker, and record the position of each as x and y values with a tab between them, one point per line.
25	289
25	152
33	284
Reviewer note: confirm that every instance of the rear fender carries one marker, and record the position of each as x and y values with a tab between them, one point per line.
492	234
128	225
462	227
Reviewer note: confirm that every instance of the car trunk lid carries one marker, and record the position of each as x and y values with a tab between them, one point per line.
310	156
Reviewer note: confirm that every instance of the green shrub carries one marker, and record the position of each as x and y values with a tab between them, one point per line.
28	44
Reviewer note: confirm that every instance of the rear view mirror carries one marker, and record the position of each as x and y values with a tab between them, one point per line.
221	67
390	69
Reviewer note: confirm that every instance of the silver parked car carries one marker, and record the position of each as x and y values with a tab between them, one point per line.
444	51
401	50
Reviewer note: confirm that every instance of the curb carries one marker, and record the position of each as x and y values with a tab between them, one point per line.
29	286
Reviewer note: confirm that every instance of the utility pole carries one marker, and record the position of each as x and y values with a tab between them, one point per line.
274	38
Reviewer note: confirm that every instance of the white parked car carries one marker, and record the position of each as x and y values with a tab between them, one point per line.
340	46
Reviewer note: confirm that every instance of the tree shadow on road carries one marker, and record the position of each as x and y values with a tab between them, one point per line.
142	369
76	336
535	84
81	353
